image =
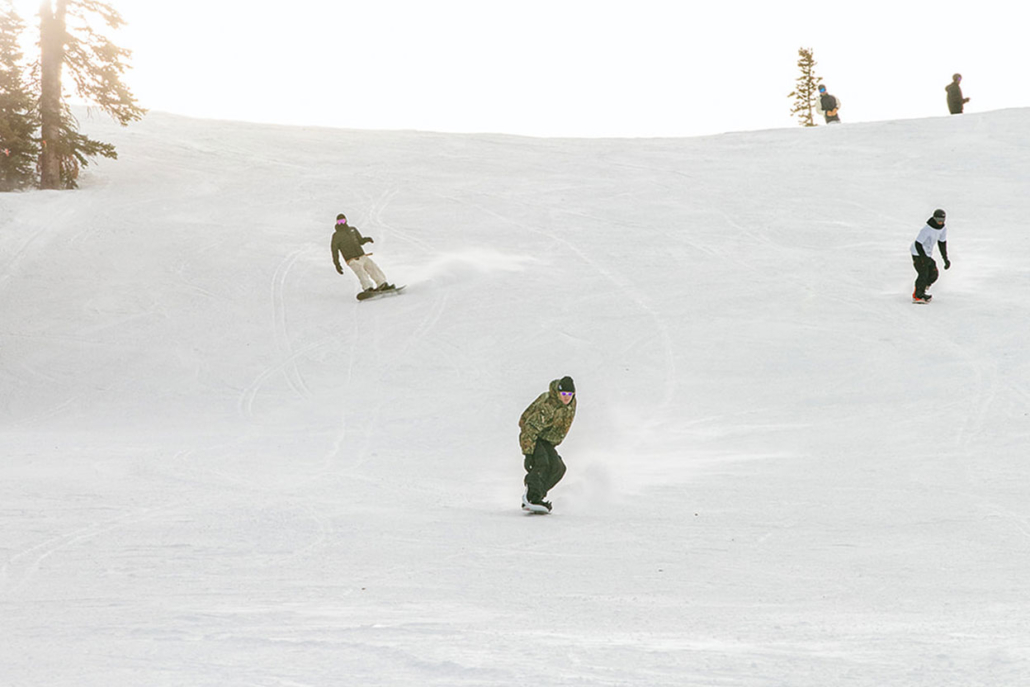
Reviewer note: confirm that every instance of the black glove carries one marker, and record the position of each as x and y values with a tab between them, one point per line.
339	269
371	240
947	264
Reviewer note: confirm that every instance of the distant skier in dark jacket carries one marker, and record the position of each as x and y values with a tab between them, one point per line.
543	426
827	105
347	241
922	255
955	100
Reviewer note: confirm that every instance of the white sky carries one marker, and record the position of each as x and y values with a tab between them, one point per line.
564	67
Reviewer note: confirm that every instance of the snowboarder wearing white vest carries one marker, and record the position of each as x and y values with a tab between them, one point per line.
934	233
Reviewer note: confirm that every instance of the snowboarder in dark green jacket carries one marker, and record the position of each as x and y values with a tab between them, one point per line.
956	103
347	240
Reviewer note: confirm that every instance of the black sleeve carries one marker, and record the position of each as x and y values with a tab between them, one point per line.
919	249
943	245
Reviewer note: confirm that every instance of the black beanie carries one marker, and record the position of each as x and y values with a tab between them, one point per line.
341	216
566	384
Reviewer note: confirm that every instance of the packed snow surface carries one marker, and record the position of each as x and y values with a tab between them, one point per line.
219	468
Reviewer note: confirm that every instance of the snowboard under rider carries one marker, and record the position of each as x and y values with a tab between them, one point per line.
934	232
543	426
827	105
956	103
347	241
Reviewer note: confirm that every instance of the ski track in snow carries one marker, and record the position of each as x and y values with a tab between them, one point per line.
20	568
280	327
633	293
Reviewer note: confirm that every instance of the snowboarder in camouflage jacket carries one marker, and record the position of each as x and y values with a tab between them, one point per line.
543	426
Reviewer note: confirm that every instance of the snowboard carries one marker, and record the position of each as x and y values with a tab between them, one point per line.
372	295
533	507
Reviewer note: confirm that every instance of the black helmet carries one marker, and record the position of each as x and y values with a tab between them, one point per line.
939	215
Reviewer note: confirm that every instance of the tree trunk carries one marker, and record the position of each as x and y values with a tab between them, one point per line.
52	40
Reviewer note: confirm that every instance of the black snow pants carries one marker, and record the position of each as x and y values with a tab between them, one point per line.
926	271
545	468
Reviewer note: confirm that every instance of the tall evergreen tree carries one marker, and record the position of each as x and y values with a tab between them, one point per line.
96	66
805	89
18	144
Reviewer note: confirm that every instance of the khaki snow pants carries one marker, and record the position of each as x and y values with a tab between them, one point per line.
367	272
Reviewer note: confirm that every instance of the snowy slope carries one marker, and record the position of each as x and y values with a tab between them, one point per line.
218	468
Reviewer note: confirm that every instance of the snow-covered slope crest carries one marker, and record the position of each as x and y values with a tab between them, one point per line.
218	467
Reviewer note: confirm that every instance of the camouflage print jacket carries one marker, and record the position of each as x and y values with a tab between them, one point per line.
546	418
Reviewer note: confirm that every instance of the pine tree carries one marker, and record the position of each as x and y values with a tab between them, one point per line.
96	66
804	92
19	147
